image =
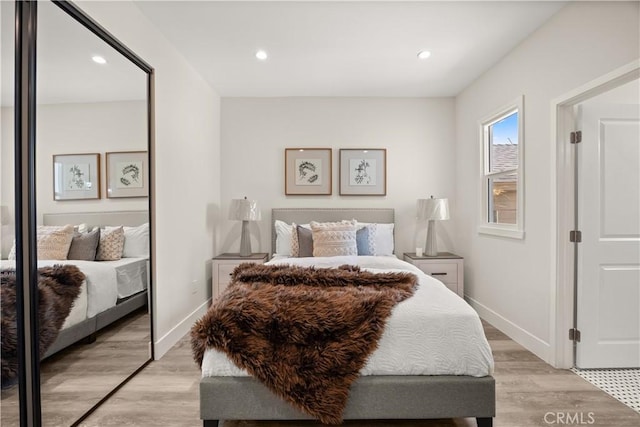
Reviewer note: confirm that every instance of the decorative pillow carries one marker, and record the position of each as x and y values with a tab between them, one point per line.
84	245
53	242
111	244
136	241
283	238
366	239
295	246
384	238
305	241
334	238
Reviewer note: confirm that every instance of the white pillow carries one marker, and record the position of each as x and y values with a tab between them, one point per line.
283	237
136	241
384	238
334	238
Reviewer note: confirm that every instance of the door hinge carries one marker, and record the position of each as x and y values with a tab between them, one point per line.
574	334
576	137
575	236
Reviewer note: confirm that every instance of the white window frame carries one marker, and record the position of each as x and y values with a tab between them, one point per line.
514	231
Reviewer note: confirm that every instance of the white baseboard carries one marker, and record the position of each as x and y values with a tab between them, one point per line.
529	341
169	339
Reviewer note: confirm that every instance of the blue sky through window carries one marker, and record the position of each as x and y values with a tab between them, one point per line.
505	130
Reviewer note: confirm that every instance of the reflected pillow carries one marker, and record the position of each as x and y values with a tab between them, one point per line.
84	245
53	242
136	241
111	244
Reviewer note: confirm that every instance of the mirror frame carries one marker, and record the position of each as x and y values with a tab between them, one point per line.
25	199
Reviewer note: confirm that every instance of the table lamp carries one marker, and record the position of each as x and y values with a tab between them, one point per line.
432	210
244	210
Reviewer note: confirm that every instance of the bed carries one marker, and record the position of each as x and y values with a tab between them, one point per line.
379	394
112	289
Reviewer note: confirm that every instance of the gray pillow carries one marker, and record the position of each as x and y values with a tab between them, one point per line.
305	242
84	245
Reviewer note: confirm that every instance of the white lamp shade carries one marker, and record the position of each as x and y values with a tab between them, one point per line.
244	210
433	209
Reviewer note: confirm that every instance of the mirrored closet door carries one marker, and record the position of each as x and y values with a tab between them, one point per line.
93	201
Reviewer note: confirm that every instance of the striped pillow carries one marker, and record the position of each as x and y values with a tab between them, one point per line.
334	238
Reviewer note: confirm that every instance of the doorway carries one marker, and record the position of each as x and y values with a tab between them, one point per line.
569	112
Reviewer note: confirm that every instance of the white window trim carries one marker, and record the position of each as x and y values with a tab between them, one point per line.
514	231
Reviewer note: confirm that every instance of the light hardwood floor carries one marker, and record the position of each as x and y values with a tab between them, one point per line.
76	378
166	394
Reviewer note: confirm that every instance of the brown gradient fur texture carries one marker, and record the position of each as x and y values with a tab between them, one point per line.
58	288
303	332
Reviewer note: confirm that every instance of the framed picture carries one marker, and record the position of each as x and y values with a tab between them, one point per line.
76	176
127	174
307	171
363	172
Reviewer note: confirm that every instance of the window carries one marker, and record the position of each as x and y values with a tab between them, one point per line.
501	137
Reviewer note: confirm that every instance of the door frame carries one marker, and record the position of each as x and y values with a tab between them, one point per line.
562	199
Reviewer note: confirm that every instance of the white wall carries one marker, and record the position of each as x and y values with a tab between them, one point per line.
75	129
87	128
509	281
187	175
418	134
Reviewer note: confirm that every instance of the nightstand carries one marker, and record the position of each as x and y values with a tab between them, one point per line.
224	264
446	267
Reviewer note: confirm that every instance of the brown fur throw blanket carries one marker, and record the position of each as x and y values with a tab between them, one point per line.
303	332
58	288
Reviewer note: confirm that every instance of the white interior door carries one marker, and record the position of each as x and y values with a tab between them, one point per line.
609	255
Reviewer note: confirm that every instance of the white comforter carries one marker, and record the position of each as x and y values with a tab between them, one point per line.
101	288
435	332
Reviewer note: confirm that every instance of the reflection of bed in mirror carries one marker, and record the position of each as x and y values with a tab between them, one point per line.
130	274
112	289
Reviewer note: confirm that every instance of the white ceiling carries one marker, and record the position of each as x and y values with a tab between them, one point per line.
316	48
65	72
334	48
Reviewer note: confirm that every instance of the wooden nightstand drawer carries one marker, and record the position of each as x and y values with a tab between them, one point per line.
224	264
446	273
446	267
224	273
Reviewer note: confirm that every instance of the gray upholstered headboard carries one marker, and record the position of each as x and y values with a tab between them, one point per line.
128	218
305	215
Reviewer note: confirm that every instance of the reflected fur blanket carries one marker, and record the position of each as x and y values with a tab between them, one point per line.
58	288
303	332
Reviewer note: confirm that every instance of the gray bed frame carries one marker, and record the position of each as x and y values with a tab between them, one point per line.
371	397
123	307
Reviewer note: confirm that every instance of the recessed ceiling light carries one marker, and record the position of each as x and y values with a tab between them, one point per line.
99	59
261	55
424	54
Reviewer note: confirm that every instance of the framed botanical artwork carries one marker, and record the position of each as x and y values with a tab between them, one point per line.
127	174
76	176
363	172
307	171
